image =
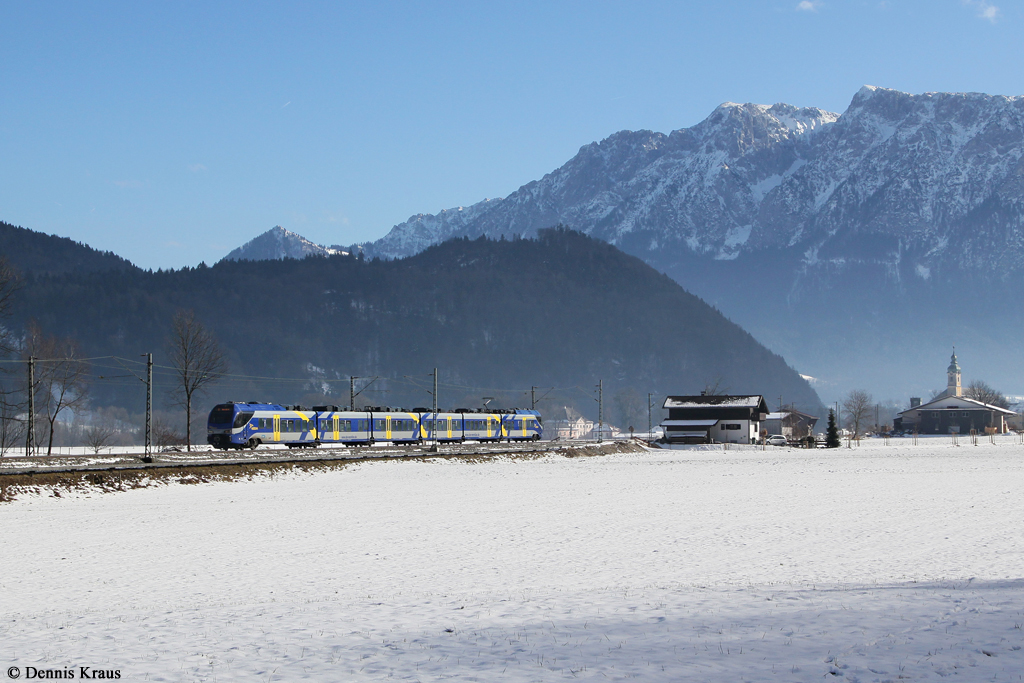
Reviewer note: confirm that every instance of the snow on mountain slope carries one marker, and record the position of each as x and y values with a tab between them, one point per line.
904	204
638	182
278	243
929	177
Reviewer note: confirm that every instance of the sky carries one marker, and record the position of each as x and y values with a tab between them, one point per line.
171	133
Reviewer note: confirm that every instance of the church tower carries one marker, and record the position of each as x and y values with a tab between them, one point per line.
953	377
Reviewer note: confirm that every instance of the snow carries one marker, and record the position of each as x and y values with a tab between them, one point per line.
871	564
716	401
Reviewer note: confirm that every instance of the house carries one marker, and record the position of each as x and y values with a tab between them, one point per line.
790	423
570	425
953	413
714	419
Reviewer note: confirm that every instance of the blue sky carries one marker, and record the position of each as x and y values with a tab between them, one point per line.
171	133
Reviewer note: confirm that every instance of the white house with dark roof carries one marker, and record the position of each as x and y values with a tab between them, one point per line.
714	419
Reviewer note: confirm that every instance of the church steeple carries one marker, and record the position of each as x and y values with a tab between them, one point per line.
953	377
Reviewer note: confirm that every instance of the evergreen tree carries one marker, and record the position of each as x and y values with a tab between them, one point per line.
832	435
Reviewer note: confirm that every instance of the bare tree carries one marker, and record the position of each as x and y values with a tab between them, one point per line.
100	434
714	387
981	391
198	362
12	429
165	435
857	411
61	378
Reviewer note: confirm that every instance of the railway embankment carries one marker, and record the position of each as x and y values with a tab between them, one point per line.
62	475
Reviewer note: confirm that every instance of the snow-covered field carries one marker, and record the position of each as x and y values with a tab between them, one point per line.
869	564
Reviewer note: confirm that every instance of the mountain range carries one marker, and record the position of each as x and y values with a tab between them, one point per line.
860	245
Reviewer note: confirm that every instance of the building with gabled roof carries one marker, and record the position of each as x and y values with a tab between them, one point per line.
714	419
953	415
790	423
951	412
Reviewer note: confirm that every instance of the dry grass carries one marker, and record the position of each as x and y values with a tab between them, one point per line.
114	480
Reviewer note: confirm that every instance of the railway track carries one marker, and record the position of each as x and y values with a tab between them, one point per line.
29	465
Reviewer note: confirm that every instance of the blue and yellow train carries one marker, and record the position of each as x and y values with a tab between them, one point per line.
248	425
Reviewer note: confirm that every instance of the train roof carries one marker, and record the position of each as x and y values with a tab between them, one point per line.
260	405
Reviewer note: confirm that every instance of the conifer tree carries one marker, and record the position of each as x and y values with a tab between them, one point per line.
832	434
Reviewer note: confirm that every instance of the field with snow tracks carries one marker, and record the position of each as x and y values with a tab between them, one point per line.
879	563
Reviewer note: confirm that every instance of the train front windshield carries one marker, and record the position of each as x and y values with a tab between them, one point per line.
221	415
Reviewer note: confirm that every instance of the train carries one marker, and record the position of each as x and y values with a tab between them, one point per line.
252	424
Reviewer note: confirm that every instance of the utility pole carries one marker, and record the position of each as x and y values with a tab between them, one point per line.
149	403
649	425
30	438
600	408
351	393
533	398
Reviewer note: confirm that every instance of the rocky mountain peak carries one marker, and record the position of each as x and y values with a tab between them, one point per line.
278	243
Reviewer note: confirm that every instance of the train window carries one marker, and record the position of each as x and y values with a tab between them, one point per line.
378	425
241	419
222	414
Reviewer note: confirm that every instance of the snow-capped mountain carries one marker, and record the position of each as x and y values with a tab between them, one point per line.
278	243
904	173
904	203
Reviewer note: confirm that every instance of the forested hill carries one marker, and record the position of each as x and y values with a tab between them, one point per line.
36	252
563	310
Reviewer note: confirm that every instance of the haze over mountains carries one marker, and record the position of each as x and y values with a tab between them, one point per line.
861	246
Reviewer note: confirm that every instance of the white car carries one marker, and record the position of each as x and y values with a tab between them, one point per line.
776	440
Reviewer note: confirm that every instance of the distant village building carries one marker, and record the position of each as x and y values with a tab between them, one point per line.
790	423
714	419
570	425
951	412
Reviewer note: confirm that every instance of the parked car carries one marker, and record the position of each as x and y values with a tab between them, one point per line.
776	440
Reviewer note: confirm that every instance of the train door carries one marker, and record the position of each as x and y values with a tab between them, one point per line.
387	427
337	437
449	421
277	428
